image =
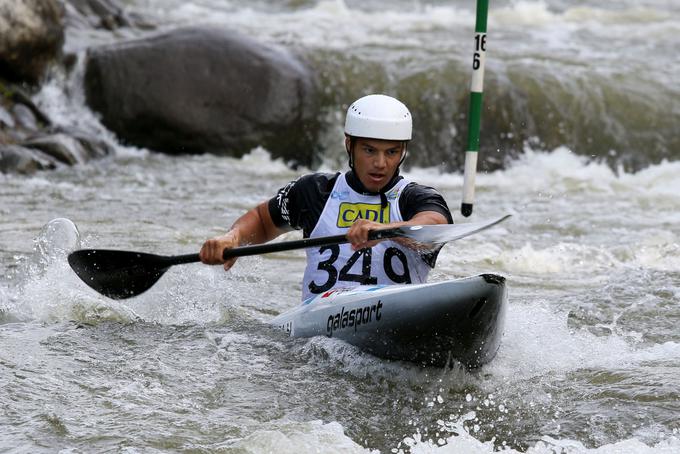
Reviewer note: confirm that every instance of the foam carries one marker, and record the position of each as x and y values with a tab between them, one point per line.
464	442
328	24
294	437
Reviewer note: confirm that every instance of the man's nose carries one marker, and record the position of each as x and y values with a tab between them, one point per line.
380	160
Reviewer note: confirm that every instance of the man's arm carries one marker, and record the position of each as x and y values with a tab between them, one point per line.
254	227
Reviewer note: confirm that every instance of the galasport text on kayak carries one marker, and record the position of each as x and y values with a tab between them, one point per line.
354	318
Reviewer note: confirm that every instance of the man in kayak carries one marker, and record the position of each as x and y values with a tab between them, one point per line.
370	196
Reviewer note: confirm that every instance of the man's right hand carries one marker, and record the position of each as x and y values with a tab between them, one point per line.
212	249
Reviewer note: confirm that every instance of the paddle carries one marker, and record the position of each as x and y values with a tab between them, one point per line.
123	274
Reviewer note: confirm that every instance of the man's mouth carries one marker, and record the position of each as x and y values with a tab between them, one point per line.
376	176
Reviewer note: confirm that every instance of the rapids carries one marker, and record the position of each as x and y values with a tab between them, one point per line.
590	360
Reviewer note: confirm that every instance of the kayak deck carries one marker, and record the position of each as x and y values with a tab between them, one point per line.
429	324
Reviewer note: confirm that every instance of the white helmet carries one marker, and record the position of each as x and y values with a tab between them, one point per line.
378	117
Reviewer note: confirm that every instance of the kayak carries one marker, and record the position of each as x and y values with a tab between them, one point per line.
432	324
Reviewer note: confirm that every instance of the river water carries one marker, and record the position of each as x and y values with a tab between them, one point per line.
590	358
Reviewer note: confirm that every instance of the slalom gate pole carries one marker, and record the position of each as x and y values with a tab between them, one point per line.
475	112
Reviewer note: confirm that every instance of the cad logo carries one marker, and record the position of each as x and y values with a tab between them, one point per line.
350	212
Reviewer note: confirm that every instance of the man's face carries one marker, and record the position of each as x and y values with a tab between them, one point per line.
376	161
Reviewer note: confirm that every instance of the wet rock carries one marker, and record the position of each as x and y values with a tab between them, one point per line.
19	116
24	117
68	149
205	90
31	36
108	14
94	148
19	95
17	159
61	147
69	61
6	118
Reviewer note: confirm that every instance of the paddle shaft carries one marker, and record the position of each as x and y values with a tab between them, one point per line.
257	249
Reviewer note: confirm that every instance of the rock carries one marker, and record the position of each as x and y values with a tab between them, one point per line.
19	116
69	61
106	14
50	151
205	90
68	149
31	36
16	159
61	147
94	148
24	117
18	95
6	118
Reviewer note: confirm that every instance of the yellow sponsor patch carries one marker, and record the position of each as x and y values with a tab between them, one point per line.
350	212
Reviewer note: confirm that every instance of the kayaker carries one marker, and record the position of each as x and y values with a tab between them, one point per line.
369	196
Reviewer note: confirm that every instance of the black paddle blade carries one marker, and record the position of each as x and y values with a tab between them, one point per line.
118	274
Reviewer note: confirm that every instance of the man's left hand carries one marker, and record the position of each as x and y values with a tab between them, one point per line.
358	233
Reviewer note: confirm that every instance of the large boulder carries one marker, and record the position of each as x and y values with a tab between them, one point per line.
198	90
31	36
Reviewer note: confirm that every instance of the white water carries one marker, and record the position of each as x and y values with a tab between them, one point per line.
589	272
590	358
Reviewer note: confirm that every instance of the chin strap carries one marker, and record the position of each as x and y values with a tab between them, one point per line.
383	200
349	147
403	156
383	197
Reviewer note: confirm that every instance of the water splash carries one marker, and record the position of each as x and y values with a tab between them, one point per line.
49	291
295	437
56	240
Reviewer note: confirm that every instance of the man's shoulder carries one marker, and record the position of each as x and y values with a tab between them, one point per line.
416	189
310	182
317	182
301	202
318	178
417	197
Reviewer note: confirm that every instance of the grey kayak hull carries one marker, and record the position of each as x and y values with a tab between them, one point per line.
429	324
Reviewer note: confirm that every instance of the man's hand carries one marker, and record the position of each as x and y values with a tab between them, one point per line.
358	233
254	227
211	252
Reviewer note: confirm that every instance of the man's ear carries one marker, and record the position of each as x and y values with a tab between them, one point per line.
348	148
403	153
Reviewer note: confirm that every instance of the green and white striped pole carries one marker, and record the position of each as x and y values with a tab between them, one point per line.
475	113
